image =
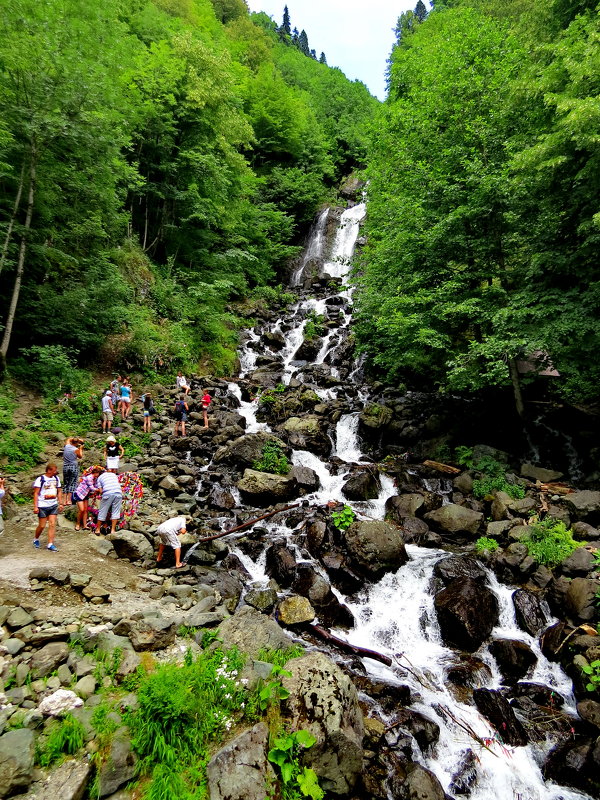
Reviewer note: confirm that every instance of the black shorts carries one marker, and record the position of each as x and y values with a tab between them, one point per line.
50	511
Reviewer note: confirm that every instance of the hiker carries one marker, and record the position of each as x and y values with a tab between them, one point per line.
111	500
2	493
115	390
206	401
126	399
87	486
181	409
169	533
113	451
148	411
47	502
72	451
182	384
108	411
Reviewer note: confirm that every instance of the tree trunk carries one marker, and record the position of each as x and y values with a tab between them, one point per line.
21	262
12	219
514	376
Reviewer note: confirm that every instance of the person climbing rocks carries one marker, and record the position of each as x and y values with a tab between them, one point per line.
87	486
115	389
182	383
148	407
108	411
126	398
113	452
181	409
47	502
111	500
2	493
206	401
73	450
169	533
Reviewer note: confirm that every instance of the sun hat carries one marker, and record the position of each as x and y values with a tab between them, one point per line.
110	438
108	391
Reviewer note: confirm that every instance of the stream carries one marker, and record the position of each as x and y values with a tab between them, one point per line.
396	615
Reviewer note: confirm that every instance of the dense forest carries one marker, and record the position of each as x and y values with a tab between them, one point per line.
159	160
484	221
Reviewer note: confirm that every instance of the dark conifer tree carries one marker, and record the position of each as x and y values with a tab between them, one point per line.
303	43
420	11
322	59
286	21
313	54
295	37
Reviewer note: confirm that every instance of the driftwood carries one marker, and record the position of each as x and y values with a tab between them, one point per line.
247	524
442	467
347	647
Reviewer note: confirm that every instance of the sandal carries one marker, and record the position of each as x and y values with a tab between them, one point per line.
77	527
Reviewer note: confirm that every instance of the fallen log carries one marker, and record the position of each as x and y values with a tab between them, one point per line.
442	467
347	647
247	524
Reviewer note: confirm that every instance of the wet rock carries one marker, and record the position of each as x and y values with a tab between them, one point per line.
309	349
538	693
458	567
515	659
497	710
315	536
589	710
361	486
306	478
265	488
453	519
17	750
131	545
324	701
403	505
241	770
48	658
374	417
579	564
281	564
425	731
221	498
584	505
262	599
580	599
389	695
247	449
539	473
375	547
267	377
67	782
307	433
295	610
415	531
467	612
274	340
575	763
251	631
465	776
582	532
119	767
552	639
420	784
469	672
529	611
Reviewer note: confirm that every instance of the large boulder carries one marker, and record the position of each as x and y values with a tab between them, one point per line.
575	762
580	599
515	659
498	711
361	486
240	770
266	488
324	701
148	633
119	766
307	433
374	417
467	612
131	545
452	567
67	782
375	547
17	750
245	450
420	784
48	658
584	505
250	631
404	505
453	519
529	611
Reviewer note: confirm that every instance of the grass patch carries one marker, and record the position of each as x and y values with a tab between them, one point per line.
549	542
65	738
486	545
272	459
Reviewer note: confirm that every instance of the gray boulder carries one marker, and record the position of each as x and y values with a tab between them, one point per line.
119	766
295	609
17	750
241	770
453	519
361	486
539	473
131	545
67	782
580	599
584	505
374	417
245	450
307	433
250	631
404	505
467	612
529	611
267	488
375	547
149	633
324	701
420	784
48	658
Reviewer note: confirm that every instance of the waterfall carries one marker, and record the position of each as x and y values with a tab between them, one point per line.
314	248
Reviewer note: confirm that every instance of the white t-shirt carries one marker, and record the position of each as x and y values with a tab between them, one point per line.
109	483
106	400
48	487
182	381
172	525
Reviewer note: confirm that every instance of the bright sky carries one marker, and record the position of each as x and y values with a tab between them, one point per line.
355	35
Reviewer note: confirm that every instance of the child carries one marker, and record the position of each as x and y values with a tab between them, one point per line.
181	409
206	401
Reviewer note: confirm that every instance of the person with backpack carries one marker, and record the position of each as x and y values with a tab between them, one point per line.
47	502
148	406
206	401
181	409
73	450
113	451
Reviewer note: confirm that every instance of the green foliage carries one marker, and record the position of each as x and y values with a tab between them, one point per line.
273	691
187	631
486	545
285	753
592	670
270	396
344	518
488	484
280	657
7	407
314	326
77	415
21	449
272	459
65	737
549	542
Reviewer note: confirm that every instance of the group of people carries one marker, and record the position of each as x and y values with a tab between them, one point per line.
117	399
182	408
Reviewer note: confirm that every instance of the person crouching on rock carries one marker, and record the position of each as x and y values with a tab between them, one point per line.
111	500
169	533
181	409
87	486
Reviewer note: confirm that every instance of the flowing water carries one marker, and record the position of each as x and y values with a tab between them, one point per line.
396	615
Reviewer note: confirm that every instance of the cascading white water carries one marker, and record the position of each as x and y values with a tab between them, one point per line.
248	411
346	437
314	249
345	242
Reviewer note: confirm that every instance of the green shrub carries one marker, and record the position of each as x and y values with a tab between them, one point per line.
593	672
344	518
272	459
50	368
297	782
280	657
77	416
314	326
22	450
65	737
269	396
487	485
485	544
549	542
7	406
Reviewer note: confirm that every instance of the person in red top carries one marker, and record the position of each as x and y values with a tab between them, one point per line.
206	401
